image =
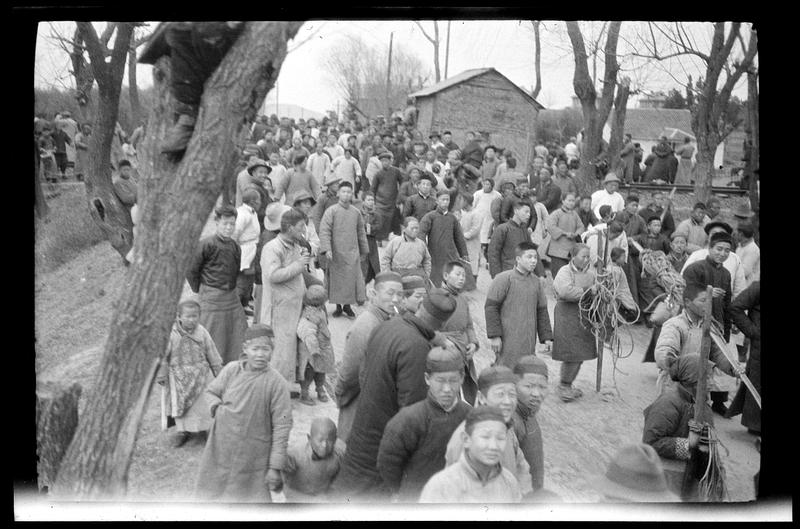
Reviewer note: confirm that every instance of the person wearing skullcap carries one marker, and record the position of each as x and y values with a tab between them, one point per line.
635	475
478	475
415	288
407	254
732	262
188	367
423	201
668	421
386	188
497	387
693	228
646	286
414	441
246	447
384	302
442	231
532	388
393	377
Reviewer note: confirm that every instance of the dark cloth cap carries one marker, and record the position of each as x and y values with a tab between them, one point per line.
720	237
385	277
384	154
412	282
484	413
495	375
439	304
718	224
442	192
257	331
304	195
441	360
427	176
530	364
315	296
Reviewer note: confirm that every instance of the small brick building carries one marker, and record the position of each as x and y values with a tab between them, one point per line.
485	100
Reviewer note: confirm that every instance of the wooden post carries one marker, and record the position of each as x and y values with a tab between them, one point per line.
705	348
389	79
447	50
56	422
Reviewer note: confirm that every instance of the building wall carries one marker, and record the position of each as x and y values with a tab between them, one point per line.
487	102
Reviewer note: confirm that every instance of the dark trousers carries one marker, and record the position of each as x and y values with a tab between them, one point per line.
193	60
569	372
310	376
244	287
556	263
61	162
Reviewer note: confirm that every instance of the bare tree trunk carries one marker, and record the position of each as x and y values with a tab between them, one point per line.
537	59
84	78
752	108
618	126
176	201
133	90
436	51
56	421
40	203
594	117
707	144
107	211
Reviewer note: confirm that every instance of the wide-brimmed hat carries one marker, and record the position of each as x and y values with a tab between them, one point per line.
304	195
433	134
610	177
257	162
742	210
635	474
332	180
273	214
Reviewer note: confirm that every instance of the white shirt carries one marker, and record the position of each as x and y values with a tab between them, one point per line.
750	256
571	150
346	169
335	151
246	233
732	264
319	165
602	197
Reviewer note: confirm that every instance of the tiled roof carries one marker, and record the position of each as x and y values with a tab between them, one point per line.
651	123
464	76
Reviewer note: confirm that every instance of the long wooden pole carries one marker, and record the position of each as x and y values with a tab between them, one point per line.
601	253
702	370
447	50
389	78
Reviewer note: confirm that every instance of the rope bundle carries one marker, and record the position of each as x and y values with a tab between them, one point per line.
600	313
655	263
712	484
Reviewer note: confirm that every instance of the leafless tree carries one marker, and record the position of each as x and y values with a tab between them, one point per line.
722	66
594	115
176	202
537	57
435	41
358	73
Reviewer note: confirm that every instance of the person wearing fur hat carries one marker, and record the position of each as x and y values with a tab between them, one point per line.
314	353
393	377
246	447
414	441
497	387
532	388
188	367
635	475
419	204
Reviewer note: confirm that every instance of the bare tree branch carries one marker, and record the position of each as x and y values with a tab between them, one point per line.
537	58
424	33
95	49
308	38
105	37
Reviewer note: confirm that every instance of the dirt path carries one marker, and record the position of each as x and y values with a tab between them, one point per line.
580	437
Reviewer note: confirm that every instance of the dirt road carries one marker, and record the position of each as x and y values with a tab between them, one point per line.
580	437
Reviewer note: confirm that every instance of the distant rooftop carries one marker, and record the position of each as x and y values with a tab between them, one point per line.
465	76
651	123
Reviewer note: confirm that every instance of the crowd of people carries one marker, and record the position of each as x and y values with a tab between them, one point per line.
392	228
363	216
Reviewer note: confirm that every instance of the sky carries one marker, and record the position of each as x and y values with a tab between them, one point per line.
506	45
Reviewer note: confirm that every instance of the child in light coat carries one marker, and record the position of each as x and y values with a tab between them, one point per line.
314	353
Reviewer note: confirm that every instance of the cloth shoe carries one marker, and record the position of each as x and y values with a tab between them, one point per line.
348	311
718	399
565	393
321	395
337	312
306	399
179	135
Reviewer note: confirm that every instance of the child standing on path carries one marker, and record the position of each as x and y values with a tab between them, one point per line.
189	366
314	352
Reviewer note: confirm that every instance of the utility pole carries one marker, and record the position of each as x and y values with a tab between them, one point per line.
447	50
389	77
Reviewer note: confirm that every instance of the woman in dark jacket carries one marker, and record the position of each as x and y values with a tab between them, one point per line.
750	324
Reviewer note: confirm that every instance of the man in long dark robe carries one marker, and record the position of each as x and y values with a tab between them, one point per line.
746	314
444	237
386	187
531	391
393	378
